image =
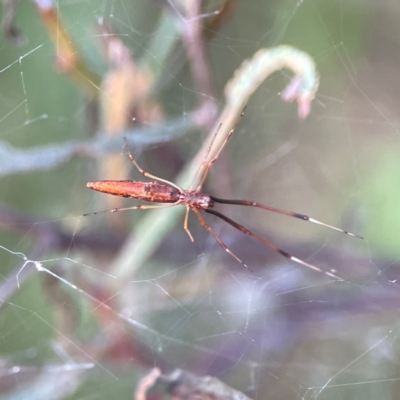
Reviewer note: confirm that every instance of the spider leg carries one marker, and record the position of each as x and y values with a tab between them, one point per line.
204	162
185	224
212	162
219	241
147	174
284	212
139	207
246	231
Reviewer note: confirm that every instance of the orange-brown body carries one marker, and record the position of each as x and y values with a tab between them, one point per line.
162	191
146	191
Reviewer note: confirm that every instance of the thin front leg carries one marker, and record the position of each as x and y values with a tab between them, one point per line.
212	162
246	231
204	162
147	174
283	212
219	241
185	224
139	207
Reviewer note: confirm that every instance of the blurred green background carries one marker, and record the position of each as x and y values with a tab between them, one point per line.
281	332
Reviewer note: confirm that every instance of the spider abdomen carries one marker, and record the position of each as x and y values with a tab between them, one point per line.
146	191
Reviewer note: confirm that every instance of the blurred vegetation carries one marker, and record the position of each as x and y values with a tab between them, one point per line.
280	332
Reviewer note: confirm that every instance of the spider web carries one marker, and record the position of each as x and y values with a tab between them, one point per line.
77	323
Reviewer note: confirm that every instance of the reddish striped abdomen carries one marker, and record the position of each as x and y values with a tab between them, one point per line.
147	191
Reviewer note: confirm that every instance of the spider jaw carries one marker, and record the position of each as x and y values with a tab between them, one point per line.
196	200
205	202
